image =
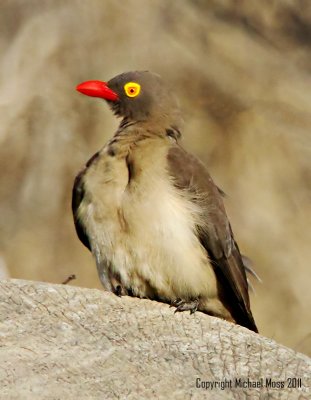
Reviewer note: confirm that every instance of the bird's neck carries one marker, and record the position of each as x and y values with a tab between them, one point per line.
130	127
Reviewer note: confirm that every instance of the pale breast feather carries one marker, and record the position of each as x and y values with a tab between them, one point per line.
143	229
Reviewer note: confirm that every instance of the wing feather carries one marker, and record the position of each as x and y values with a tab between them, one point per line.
215	233
78	194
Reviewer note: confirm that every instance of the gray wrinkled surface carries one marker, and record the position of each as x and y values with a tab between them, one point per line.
62	342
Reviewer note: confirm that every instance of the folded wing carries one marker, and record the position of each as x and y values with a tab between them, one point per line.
214	233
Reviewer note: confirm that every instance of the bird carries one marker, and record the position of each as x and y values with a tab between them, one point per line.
150	212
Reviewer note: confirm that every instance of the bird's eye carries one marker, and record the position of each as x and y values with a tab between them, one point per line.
132	89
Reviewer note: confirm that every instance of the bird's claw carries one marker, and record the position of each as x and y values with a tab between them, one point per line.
175	303
184	305
118	291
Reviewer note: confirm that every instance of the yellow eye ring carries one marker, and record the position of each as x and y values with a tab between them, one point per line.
132	89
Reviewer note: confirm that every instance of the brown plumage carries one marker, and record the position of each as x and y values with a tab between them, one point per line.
150	212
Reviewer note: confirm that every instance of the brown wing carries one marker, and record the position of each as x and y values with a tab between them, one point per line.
216	235
77	198
78	194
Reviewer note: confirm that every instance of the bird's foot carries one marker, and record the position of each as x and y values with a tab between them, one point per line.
118	291
174	303
186	305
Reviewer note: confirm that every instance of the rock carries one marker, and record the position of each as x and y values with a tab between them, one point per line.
63	342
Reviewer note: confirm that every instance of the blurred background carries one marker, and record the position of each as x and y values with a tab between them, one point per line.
241	69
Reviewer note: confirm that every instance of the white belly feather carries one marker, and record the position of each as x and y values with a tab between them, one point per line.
145	232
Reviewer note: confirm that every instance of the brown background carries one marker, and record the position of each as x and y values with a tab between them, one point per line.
242	73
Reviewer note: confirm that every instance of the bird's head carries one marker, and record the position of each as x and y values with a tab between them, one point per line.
137	96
